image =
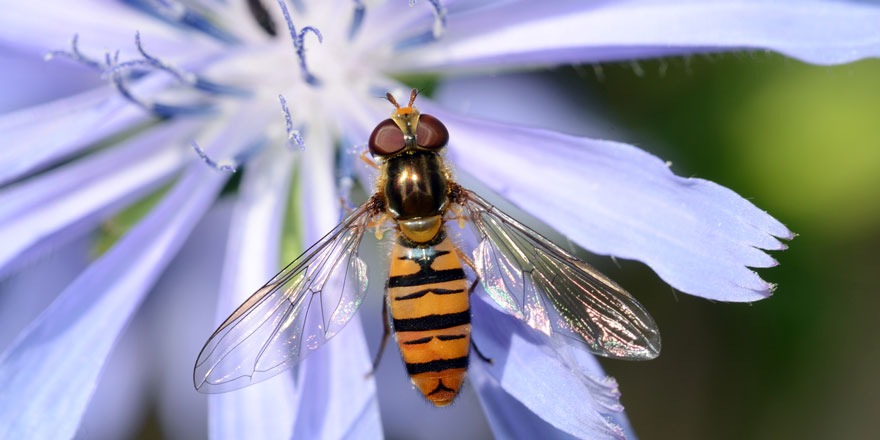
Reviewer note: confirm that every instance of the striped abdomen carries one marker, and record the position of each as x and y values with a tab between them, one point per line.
428	299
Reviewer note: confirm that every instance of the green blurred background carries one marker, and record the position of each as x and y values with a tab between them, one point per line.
801	142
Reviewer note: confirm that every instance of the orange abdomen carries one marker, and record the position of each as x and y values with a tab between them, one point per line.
428	298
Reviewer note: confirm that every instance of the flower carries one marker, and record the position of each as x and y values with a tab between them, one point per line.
209	74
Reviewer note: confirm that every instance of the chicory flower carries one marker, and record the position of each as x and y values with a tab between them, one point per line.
207	75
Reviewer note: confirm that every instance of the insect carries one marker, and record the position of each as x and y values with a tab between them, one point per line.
427	292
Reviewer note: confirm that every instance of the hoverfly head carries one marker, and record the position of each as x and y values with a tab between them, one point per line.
407	129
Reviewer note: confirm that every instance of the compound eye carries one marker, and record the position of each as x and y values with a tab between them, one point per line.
386	139
431	133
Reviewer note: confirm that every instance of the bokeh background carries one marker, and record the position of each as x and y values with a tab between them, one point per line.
800	141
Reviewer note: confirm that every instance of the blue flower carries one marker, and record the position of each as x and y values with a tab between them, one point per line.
184	72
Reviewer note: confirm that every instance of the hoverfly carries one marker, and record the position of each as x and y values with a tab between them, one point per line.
427	292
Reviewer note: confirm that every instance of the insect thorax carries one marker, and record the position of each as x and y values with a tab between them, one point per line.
415	186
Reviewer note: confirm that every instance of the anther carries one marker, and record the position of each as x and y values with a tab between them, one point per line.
298	39
161	110
357	18
293	136
226	166
74	54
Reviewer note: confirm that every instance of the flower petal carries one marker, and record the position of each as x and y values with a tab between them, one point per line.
615	199
551	103
333	378
268	409
70	200
51	370
571	32
507	416
27	293
38	136
180	304
526	368
53	83
102	26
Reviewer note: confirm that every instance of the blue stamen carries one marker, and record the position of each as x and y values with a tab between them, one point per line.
298	39
439	18
184	77
188	78
436	32
121	73
74	55
293	135
158	109
357	18
229	167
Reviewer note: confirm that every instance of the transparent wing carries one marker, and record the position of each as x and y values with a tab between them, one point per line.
553	291
296	312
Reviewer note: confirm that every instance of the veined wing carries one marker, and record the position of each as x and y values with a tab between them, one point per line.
555	292
296	312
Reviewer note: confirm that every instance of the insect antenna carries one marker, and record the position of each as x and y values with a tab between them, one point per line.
391	99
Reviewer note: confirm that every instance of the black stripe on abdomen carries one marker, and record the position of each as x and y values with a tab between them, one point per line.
424	277
432	322
421	341
437	365
421	293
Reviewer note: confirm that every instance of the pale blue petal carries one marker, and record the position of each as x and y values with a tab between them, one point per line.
508	417
333	379
39	136
179	312
27	293
124	390
266	410
69	201
38	27
51	370
548	381
615	199
551	103
570	32
47	83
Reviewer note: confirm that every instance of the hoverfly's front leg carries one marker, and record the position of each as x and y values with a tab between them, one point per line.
457	215
385	335
379	216
367	159
379	223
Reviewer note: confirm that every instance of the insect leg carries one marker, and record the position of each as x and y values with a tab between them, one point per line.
369	160
385	335
479	353
463	256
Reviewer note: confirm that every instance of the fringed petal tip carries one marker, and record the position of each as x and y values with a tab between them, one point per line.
537	387
615	199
